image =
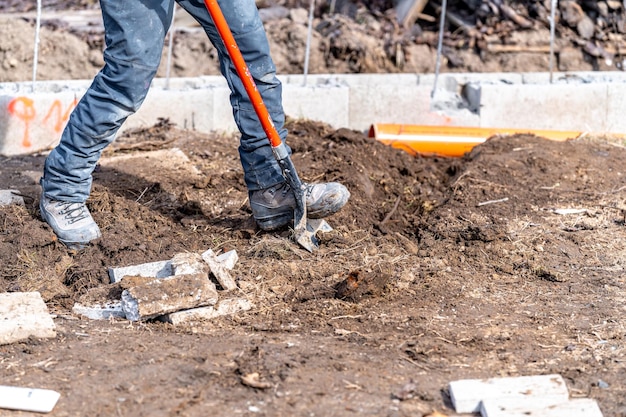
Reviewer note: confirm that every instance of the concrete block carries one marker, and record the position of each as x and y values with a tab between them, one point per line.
160	296
22	315
162	269
101	303
219	271
8	197
580	407
223	308
158	269
466	395
189	263
544	106
100	311
228	259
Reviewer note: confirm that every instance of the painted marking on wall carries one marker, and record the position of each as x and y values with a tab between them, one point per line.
25	109
57	116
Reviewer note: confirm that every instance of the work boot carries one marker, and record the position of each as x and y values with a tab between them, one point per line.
71	222
273	207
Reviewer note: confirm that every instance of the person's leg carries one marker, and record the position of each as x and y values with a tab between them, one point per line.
134	36
271	200
260	168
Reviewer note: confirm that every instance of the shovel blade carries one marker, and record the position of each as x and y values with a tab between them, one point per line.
306	237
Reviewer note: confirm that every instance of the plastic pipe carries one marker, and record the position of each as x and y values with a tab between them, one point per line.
453	141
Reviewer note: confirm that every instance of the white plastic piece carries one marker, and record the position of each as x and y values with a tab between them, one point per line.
28	399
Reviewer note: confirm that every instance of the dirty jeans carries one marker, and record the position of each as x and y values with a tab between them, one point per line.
135	31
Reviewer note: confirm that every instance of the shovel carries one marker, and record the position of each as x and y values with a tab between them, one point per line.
304	231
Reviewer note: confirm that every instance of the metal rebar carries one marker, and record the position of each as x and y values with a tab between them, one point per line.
36	52
307	51
442	22
170	47
553	7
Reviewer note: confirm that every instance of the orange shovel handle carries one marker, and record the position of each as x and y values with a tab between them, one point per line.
243	71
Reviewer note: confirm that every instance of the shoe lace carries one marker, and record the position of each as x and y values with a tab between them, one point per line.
73	212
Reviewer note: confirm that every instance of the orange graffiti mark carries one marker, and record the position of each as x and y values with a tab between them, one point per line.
24	109
60	117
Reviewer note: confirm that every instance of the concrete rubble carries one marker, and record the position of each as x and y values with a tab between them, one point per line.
9	197
535	395
24	315
178	291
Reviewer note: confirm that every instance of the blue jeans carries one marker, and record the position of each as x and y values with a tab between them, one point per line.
134	35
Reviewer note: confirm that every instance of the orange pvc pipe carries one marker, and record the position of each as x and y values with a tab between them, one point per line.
454	141
244	73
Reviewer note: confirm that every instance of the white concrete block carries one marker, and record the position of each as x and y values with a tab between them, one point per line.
189	263
223	308
219	271
466	395
8	197
227	259
100	311
580	407
22	315
158	269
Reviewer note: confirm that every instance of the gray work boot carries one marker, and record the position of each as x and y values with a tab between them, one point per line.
71	222
273	207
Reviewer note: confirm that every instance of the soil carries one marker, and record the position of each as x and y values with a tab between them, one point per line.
437	270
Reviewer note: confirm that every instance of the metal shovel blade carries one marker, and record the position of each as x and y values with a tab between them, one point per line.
307	236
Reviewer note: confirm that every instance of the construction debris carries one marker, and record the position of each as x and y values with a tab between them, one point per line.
24	315
159	296
162	269
179	289
537	395
8	197
219	271
222	308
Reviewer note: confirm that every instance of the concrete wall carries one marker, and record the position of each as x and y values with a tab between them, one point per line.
32	120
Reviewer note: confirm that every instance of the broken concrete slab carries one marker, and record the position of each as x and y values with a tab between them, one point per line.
466	395
101	303
579	407
160	296
189	263
223	308
158	269
22	315
227	259
219	271
9	197
162	269
100	311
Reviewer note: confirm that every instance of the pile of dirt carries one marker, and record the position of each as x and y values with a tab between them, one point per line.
509	261
353	38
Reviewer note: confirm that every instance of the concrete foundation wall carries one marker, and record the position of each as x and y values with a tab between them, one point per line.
31	120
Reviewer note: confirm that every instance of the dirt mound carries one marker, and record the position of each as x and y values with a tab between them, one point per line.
508	261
